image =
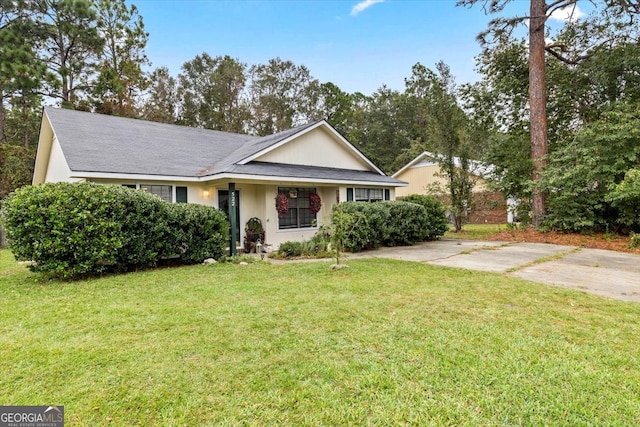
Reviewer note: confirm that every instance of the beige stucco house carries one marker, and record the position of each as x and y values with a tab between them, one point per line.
423	175
183	164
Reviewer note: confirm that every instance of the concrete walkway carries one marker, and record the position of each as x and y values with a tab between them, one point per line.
607	273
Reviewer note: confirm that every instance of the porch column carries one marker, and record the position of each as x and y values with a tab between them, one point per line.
233	208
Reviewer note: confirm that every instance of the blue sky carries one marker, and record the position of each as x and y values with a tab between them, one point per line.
358	45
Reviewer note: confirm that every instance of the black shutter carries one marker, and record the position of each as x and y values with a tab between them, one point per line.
349	194
181	194
387	194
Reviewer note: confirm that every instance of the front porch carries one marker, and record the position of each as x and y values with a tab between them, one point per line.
300	222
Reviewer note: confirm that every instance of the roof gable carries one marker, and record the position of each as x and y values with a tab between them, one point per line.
269	152
317	147
431	159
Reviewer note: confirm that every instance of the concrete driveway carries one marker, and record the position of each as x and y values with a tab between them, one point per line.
607	273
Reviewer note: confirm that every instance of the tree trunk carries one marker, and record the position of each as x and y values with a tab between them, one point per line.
25	121
3	240
538	106
2	120
2	116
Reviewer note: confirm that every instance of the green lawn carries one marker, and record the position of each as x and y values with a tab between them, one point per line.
475	231
380	343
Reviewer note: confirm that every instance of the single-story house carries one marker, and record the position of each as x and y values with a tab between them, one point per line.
232	172
423	176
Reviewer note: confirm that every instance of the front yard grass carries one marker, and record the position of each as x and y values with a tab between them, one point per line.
382	342
475	231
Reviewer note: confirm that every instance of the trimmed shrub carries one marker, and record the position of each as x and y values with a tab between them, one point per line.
436	215
391	223
80	229
406	224
359	233
143	226
68	229
197	232
367	225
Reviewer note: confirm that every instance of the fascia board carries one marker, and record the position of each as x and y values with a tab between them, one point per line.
130	176
232	176
266	178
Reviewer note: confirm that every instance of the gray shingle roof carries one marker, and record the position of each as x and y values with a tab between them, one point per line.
101	143
109	144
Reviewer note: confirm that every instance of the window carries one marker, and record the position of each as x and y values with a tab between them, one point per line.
181	194
298	215
162	191
369	194
165	192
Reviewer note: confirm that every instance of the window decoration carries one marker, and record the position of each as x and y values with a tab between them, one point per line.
282	204
298	212
315	203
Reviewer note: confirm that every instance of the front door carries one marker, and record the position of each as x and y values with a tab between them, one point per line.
223	205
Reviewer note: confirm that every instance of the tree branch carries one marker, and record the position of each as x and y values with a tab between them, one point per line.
559	4
632	7
563	48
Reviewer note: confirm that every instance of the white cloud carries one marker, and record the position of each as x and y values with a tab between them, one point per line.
365	4
570	13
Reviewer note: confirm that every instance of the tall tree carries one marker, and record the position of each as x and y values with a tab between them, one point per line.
447	130
601	68
161	103
21	77
539	13
382	130
336	106
211	91
538	104
120	76
70	47
21	72
282	95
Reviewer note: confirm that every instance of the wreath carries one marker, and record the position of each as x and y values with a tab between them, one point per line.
315	203
282	204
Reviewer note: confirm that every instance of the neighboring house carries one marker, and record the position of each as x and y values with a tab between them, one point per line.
423	175
183	164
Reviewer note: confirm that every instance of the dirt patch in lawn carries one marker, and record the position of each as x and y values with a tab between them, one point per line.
595	241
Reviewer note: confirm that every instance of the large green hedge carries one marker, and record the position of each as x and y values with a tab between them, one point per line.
196	232
79	229
393	223
406	224
437	222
